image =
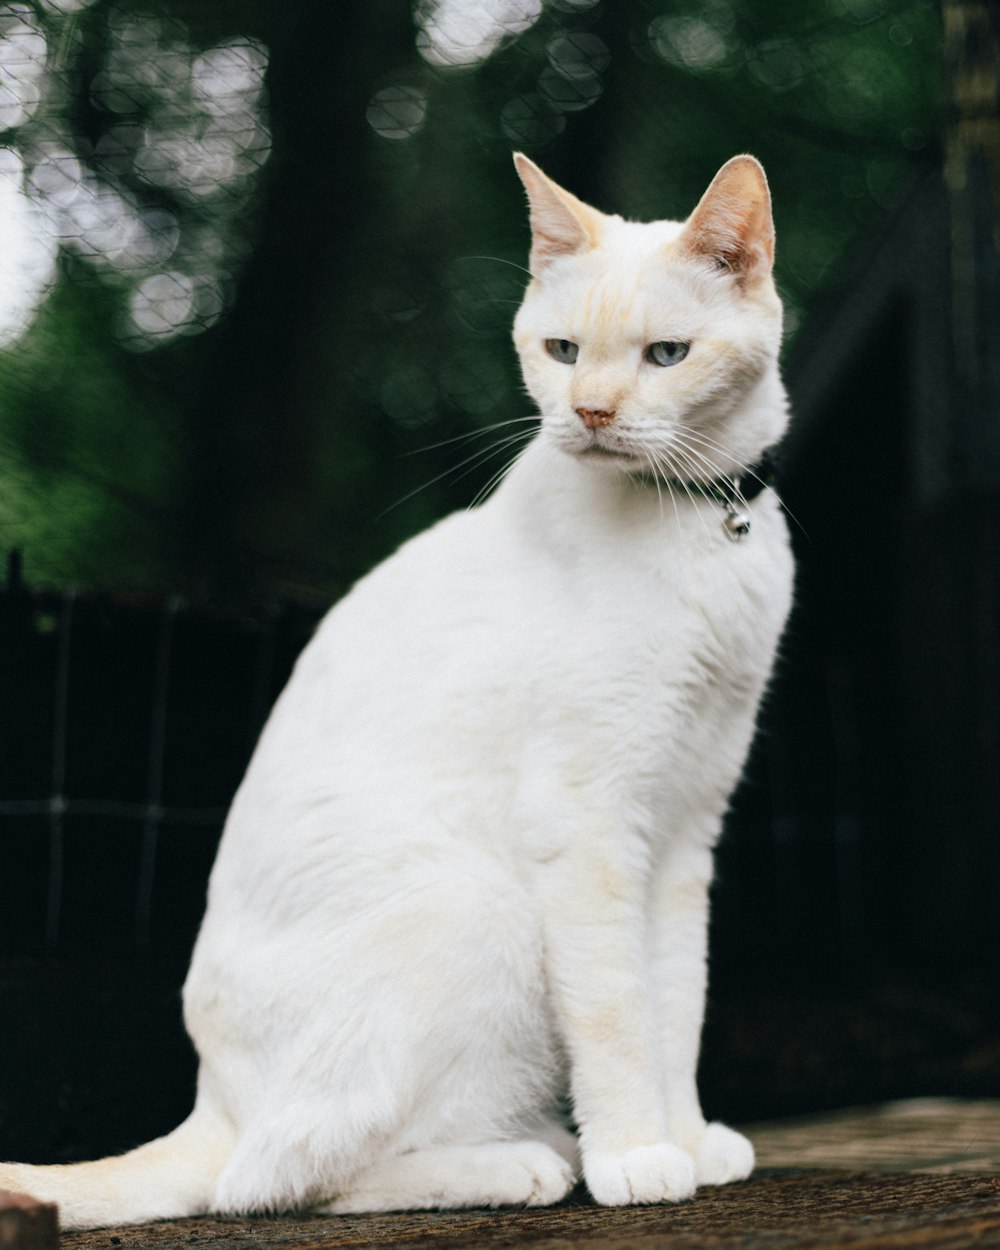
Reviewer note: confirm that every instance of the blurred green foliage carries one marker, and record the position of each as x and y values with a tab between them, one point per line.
369	266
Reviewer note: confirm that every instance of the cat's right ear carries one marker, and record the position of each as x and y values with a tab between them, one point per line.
732	226
560	223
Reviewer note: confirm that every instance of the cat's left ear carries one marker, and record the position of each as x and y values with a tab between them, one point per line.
560	223
732	226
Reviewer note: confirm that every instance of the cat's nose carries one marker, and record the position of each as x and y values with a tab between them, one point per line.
595	418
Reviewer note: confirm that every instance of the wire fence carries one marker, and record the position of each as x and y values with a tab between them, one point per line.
127	725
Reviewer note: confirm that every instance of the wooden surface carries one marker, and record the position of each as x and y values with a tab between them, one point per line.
779	1210
922	1175
937	1135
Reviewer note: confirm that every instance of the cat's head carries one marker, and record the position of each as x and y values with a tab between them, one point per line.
654	345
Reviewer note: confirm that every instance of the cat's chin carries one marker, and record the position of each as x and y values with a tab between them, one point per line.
593	453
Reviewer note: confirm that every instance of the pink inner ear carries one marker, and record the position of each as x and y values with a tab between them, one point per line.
560	223
732	224
554	232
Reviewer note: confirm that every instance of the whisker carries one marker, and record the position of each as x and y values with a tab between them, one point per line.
484	492
667	479
500	261
741	469
656	480
691	470
666	460
474	461
702	470
696	458
468	436
745	471
698	470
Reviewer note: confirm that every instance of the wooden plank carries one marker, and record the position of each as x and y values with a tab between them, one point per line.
26	1224
777	1210
945	1135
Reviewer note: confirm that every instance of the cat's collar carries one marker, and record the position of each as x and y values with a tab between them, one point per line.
735	493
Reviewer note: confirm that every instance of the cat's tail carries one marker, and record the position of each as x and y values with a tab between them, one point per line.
167	1178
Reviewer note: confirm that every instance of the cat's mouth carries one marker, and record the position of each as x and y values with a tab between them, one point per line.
594	451
600	447
613	455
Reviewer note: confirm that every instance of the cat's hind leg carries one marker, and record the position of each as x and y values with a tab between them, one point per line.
498	1174
164	1179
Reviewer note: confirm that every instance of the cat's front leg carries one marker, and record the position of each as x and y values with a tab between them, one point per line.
593	902
678	928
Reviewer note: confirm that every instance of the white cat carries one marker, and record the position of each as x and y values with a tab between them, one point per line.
468	868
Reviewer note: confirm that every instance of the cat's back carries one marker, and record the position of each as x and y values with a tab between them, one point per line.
422	649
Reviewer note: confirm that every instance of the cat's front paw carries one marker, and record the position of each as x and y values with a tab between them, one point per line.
661	1173
723	1155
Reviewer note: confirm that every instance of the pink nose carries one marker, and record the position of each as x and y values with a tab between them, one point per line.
595	418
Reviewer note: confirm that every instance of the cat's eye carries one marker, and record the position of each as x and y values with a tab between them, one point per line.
562	350
666	353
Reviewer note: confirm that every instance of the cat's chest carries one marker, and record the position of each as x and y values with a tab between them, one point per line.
668	605
641	680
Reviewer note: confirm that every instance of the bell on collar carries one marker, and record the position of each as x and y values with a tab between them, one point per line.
736	522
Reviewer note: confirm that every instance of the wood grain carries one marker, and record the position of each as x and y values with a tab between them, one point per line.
775	1210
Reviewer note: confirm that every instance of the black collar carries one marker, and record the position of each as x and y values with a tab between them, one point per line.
735	493
742	487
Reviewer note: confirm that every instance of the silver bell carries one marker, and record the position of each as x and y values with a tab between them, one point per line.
736	523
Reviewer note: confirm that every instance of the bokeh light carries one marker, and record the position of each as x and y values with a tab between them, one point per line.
397	112
182	135
531	121
23	53
578	55
693	43
466	32
27	253
133	136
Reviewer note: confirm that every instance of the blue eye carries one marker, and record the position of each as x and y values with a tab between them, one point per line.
562	350
669	352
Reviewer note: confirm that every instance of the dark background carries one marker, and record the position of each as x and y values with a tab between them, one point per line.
184	484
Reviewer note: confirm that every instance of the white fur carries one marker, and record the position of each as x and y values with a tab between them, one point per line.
468	866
